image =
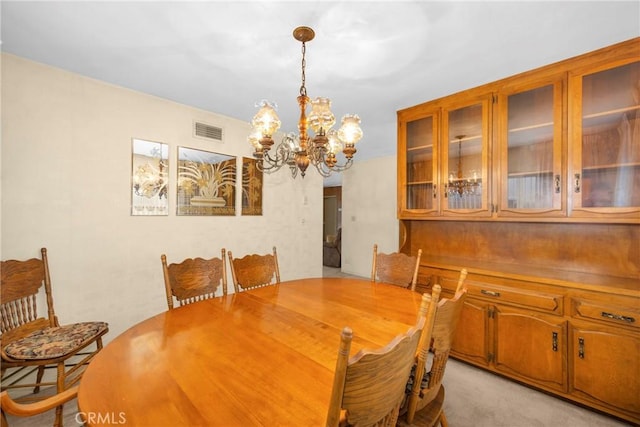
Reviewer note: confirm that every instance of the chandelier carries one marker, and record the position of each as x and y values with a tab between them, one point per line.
298	151
458	185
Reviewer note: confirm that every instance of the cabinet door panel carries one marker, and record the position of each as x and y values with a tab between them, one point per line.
471	340
421	165
530	149
605	118
465	158
418	164
606	368
531	346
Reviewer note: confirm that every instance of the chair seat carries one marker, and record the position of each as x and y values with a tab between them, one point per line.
50	343
430	415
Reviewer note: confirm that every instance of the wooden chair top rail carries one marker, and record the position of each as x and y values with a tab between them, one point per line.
396	268
193	279
254	270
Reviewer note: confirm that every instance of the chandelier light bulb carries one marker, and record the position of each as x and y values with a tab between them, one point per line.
321	118
266	119
350	131
334	145
254	138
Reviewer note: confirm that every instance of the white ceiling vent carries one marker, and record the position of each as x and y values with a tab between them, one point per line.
204	130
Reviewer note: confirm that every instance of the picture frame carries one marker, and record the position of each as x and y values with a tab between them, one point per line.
251	187
149	178
206	183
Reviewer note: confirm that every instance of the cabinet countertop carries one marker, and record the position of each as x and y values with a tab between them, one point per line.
629	286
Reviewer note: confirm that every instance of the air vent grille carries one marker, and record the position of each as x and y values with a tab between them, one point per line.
204	130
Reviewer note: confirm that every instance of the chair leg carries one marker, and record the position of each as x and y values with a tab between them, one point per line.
57	422
38	379
60	387
443	419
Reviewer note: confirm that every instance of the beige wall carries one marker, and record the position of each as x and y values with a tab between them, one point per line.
66	166
368	213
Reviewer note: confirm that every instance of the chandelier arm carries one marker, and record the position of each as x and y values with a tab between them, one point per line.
270	168
276	161
316	154
323	170
269	164
284	156
326	171
294	170
344	167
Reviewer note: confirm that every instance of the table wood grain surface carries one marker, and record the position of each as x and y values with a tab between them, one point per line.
265	357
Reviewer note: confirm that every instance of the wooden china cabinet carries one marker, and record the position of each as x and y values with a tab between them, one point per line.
532	183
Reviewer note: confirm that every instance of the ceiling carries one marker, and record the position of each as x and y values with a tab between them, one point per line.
370	58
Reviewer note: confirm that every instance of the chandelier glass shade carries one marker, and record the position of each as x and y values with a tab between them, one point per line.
299	150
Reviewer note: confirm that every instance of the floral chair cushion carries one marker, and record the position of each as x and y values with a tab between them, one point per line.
423	384
54	342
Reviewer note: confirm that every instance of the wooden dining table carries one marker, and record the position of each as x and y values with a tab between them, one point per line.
264	357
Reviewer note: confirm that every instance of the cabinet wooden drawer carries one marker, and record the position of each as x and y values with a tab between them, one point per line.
542	301
606	313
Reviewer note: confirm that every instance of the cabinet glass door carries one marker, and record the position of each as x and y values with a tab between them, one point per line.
420	164
606	168
531	151
465	159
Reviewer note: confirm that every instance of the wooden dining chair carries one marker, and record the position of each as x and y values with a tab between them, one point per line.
369	387
11	407
253	271
426	398
33	343
194	279
395	268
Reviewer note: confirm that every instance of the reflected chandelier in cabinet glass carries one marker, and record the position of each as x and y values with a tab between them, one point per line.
298	151
458	185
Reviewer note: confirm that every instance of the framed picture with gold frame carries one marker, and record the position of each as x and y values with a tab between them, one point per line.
206	183
251	187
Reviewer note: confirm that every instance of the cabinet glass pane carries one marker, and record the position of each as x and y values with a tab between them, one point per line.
420	164
464	186
530	149
611	138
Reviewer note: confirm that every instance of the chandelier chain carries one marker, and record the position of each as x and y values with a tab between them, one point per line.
303	88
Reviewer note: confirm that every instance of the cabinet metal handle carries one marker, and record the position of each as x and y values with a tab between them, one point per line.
446	190
576	187
554	341
435	191
490	293
581	347
613	316
557	184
